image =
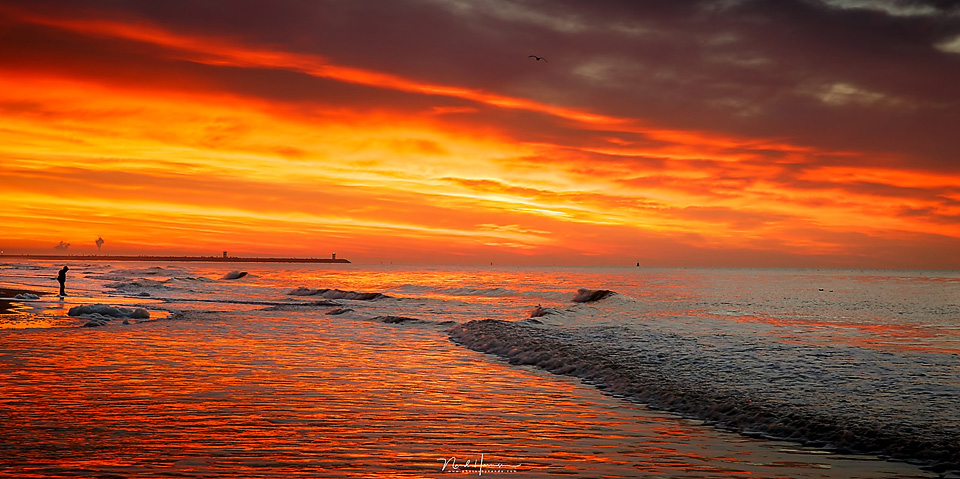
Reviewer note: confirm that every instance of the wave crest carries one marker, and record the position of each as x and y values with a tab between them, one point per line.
650	379
590	295
234	275
336	294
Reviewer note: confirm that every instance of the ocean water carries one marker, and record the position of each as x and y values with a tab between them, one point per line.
418	371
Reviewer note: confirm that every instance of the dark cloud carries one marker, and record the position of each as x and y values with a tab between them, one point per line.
863	84
835	74
844	78
145	66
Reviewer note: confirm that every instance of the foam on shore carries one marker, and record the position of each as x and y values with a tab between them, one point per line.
101	314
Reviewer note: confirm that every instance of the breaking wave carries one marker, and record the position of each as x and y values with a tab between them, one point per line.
591	295
674	373
336	294
234	275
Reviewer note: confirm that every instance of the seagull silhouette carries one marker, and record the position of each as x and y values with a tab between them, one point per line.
538	58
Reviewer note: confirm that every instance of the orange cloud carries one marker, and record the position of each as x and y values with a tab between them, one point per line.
160	166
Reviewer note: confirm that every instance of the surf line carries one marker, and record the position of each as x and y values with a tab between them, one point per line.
496	468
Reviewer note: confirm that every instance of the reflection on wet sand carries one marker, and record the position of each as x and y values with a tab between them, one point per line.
287	394
11	299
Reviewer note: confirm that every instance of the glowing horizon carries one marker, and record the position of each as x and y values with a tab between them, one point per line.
162	139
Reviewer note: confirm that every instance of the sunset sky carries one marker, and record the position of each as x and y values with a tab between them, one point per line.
689	133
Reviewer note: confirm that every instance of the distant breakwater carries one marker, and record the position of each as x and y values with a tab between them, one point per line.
169	259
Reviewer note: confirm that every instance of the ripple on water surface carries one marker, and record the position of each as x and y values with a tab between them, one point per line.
287	394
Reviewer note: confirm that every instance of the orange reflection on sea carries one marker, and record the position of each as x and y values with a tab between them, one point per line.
298	394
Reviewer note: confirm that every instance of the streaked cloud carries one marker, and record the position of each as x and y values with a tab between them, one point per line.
949	45
725	133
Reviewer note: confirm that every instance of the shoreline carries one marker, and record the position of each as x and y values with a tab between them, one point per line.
173	259
225	378
648	384
7	296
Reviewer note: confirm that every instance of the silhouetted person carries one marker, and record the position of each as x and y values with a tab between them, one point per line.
62	278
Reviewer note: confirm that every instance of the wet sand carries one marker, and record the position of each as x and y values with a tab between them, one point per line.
7	294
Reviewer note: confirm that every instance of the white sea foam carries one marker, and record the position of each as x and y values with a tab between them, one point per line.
102	314
107	310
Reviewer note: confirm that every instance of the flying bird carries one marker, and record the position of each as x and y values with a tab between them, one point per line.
538	58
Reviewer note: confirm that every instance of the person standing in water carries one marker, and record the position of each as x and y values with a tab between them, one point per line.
62	278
